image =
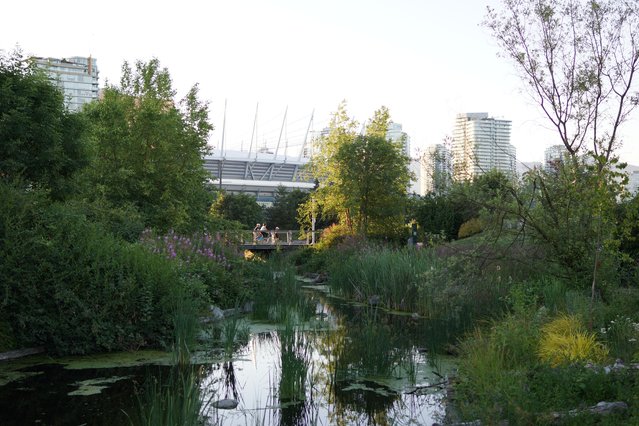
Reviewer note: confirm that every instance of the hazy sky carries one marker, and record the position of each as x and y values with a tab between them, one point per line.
425	60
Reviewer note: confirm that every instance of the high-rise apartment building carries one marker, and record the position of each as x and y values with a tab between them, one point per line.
77	77
396	134
436	169
480	144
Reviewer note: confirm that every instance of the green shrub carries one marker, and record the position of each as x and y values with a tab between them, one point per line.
68	285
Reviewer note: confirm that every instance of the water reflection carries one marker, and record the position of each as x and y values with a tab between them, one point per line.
308	360
327	362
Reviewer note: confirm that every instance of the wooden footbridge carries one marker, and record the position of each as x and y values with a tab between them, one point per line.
277	240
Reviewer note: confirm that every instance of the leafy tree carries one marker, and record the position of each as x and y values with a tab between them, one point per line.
326	200
283	213
363	179
42	143
438	214
149	149
374	181
579	59
242	208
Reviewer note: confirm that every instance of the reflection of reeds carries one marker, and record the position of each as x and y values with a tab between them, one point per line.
294	362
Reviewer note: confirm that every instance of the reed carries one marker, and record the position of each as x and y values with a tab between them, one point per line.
388	275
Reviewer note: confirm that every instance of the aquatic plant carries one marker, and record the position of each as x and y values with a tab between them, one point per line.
176	401
235	331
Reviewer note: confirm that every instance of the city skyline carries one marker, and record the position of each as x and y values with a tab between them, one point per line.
426	61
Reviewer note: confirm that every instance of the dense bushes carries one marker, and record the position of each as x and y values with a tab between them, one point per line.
70	286
210	260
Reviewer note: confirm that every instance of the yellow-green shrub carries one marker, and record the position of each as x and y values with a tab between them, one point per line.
565	341
470	227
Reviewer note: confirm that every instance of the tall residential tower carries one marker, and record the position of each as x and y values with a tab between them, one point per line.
436	169
77	77
481	144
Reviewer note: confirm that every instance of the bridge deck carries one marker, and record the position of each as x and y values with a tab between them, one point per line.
270	246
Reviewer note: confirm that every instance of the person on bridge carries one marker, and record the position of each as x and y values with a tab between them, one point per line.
264	231
275	235
256	232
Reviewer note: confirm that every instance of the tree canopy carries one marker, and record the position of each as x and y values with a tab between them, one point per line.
363	179
42	143
149	149
242	208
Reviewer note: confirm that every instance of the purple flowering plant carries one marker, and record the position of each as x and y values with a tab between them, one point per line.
187	249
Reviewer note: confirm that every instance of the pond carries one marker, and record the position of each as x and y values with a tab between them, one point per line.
308	359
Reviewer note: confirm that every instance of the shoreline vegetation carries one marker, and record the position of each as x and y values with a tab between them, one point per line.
108	218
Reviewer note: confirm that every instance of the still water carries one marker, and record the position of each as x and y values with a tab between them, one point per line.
313	360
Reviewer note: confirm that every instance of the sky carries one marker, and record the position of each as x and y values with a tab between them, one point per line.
426	60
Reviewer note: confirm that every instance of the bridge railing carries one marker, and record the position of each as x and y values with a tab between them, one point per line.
274	237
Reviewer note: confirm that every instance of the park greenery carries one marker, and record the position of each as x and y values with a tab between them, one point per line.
110	234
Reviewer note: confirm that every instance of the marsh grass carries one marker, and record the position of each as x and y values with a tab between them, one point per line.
185	328
235	333
390	275
176	401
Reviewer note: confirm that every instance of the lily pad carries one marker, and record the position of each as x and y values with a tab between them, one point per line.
95	386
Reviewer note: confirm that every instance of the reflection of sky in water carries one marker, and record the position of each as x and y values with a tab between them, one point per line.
253	378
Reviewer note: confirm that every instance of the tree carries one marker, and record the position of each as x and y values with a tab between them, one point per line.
579	59
363	179
149	150
42	143
326	199
242	208
283	212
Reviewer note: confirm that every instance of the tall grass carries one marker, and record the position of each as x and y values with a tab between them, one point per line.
235	332
391	276
177	401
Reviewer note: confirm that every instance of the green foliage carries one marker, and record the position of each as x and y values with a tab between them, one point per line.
213	265
242	208
178	400
43	144
373	180
622	336
391	277
439	213
363	179
73	288
148	151
283	213
571	212
124	221
334	235
470	227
